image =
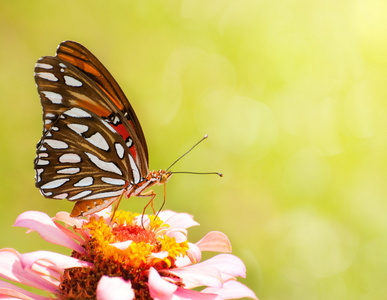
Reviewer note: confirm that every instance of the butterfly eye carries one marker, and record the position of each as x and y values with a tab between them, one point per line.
164	177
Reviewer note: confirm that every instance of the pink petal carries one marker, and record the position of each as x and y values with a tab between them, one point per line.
214	241
179	234
15	292
105	213
71	222
114	288
193	256
55	261
64	216
205	276
43	224
72	234
177	220
183	261
166	214
122	245
44	270
160	255
190	294
159	288
227	264
232	290
11	268
142	221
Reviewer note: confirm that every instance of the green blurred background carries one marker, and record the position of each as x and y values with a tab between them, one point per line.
293	95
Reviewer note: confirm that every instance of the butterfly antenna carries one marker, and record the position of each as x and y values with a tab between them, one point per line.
201	140
200	173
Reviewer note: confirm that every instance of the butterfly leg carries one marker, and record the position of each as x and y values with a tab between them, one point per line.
153	195
115	207
148	194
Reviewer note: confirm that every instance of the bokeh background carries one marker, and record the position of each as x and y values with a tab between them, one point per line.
293	96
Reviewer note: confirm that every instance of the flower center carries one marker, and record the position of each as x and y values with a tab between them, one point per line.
133	233
122	248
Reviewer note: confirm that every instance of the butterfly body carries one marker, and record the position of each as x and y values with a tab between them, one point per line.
92	149
86	207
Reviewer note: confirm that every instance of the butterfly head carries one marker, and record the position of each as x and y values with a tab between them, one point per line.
164	176
160	176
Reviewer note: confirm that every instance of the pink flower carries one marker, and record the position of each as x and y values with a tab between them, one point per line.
129	257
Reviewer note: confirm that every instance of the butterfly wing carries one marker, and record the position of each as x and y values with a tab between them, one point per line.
92	144
81	58
75	78
82	157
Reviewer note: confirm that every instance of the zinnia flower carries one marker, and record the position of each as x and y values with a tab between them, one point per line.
129	257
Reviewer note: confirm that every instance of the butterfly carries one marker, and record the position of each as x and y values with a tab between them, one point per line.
93	150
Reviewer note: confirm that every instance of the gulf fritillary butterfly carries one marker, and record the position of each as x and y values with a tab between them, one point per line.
93	149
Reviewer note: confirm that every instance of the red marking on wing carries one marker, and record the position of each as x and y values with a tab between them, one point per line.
134	153
120	128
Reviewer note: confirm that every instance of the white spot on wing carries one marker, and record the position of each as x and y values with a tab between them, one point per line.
108	126
70	158
43	66
135	171
39	171
80	195
69	171
129	142
47	76
54	184
99	141
103	165
70	81
42	162
61	196
37	174
87	181
113	181
62	65
119	150
55	144
50	115
55	98
77	113
104	195
78	128
116	120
